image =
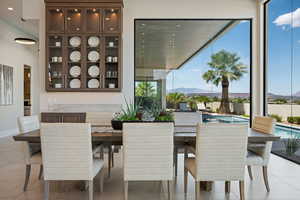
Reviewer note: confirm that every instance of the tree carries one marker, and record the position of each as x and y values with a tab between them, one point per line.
145	89
224	68
174	99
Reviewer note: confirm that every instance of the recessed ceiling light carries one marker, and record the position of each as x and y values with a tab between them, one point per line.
10	8
178	25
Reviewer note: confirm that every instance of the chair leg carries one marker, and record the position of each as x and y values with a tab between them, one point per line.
41	172
170	190
112	159
125	190
265	173
250	172
197	190
185	180
109	160
227	187
101	180
91	189
242	190
27	176
46	190
176	160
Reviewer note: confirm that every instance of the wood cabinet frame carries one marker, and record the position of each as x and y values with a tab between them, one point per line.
84	5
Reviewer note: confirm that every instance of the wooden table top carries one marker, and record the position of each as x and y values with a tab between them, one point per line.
182	134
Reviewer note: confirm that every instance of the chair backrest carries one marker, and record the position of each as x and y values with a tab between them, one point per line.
99	118
28	123
265	125
67	151
148	151
187	118
221	152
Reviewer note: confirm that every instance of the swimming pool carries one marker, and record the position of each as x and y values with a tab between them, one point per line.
280	130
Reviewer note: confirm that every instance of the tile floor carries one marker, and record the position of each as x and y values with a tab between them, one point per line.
284	177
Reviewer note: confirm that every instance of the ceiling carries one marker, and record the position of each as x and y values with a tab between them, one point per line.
163	45
14	17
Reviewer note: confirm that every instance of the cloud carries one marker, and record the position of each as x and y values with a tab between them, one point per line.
292	19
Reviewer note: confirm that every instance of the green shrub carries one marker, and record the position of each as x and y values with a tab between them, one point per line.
294	120
276	117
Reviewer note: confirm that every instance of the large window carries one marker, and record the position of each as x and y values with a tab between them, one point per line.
190	65
282	73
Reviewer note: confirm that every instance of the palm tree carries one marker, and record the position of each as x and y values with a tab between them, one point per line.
175	98
224	67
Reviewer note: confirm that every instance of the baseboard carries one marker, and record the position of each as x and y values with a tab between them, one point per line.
7	133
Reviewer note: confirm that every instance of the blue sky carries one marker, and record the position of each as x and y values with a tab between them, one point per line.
283	35
284	47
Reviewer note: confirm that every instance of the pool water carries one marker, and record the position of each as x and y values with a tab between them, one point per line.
282	131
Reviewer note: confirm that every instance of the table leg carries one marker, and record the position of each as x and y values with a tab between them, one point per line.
206	185
176	160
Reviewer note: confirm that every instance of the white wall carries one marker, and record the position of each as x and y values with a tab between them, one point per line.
16	55
137	9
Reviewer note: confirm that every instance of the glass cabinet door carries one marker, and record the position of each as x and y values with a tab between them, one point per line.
55	62
74	20
112	20
93	20
112	60
55	20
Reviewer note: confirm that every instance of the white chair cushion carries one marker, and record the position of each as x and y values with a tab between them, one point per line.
97	166
254	159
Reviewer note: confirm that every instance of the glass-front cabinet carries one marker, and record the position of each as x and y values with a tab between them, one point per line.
83	48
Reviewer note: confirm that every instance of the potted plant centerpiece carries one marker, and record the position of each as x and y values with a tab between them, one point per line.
134	113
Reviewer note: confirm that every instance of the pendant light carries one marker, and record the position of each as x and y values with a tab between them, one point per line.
24	40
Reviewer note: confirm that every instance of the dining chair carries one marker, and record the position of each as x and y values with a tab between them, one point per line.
260	155
67	154
148	153
220	156
103	119
32	153
184	119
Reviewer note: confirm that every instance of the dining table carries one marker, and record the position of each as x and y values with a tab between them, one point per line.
184	135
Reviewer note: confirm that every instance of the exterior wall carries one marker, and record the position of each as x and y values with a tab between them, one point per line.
15	55
154	9
284	110
237	108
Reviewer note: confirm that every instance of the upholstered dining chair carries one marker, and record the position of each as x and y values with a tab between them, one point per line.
103	119
148	153
32	154
260	155
220	156
67	154
184	119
